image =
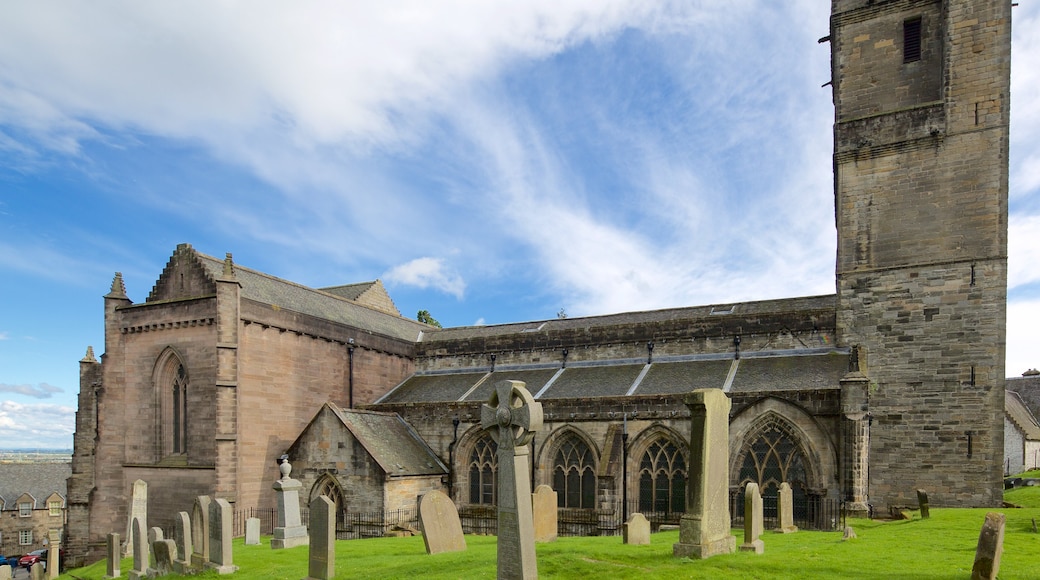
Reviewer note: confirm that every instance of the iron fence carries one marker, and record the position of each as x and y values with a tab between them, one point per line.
810	513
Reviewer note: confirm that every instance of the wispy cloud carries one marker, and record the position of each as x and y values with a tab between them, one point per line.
40	391
36	425
4	335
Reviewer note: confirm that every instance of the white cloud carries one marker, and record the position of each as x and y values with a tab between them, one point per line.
36	425
1023	342
1023	250
40	391
427	273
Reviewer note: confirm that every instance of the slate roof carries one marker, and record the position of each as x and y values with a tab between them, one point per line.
287	295
40	480
391	441
1018	413
1028	388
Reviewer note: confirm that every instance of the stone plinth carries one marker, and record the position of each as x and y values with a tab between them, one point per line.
289	532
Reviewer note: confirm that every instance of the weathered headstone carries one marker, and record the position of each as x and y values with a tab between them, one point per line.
442	530
322	561
53	558
636	530
786	510
37	572
704	528
114	553
165	553
200	531
138	509
543	506
922	500
5	572
512	417
155	534
289	531
252	531
848	534
182	563
752	520
140	546
221	528
990	547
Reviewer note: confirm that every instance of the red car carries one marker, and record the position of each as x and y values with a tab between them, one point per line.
31	558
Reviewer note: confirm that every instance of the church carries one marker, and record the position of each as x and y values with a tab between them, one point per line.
893	383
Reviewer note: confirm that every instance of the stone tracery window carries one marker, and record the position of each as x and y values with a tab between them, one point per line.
574	474
483	471
327	486
771	455
662	478
171	385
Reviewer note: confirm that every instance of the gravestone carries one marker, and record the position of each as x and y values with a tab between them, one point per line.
442	530
165	554
200	531
322	561
543	505
289	531
636	530
53	545
989	549
182	563
37	572
140	549
848	534
512	417
154	535
221	528
752	520
922	500
5	572
786	524
253	531
113	552
138	509
704	528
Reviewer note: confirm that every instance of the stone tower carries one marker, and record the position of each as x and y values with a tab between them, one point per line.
921	102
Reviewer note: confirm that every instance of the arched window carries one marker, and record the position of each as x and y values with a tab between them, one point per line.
574	475
172	397
483	469
327	486
771	455
662	478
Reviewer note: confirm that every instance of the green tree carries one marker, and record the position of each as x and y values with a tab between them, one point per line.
425	318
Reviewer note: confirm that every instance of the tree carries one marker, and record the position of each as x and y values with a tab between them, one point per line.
425	318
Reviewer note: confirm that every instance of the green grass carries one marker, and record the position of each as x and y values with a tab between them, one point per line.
941	547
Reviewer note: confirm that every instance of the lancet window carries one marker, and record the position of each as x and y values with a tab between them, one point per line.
574	474
483	470
771	455
662	478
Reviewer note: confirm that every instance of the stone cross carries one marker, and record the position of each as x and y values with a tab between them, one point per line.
321	561
512	417
704	528
786	510
752	520
990	547
114	553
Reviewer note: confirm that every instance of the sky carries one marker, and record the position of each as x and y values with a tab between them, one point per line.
490	162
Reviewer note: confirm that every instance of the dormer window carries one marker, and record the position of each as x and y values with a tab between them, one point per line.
24	509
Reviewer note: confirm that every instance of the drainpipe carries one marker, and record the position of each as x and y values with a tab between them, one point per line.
350	373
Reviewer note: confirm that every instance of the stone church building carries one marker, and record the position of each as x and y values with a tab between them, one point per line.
894	382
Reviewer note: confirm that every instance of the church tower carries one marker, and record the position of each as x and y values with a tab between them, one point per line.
921	103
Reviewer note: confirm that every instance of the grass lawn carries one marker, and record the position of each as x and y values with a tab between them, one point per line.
941	547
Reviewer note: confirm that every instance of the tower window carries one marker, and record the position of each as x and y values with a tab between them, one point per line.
912	40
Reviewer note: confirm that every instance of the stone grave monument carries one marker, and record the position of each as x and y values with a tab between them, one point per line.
543	504
113	552
155	534
221	528
289	531
786	509
53	549
252	532
182	563
165	552
200	532
752	520
512	417
321	563
989	549
922	501
37	572
441	528
138	509
5	572
636	530
140	545
704	528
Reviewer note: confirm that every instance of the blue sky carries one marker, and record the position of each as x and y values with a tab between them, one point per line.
489	161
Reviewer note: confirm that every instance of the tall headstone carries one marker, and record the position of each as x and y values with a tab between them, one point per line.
512	417
704	528
752	520
140	549
990	547
114	553
53	551
636	530
322	561
442	530
786	510
252	531
182	535
138	509
922	500
221	529
544	506
289	531
200	531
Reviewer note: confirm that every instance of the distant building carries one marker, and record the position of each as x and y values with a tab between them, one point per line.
32	503
1021	429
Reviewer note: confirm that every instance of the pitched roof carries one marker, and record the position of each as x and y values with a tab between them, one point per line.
1020	416
39	480
391	441
372	294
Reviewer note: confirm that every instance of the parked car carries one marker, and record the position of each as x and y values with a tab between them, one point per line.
11	561
31	558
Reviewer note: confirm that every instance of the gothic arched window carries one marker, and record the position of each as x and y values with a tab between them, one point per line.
770	456
327	486
662	478
574	475
483	469
171	385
